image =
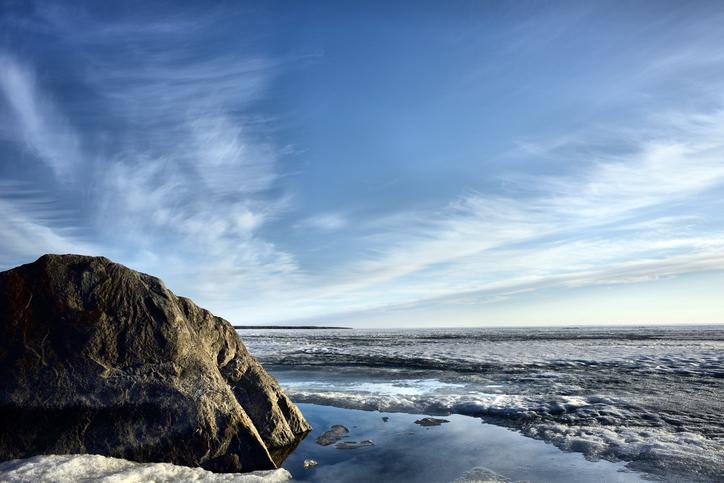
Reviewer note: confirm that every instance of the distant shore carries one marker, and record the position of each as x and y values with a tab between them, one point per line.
324	327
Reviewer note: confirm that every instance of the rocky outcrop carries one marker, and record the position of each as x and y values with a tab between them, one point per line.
98	358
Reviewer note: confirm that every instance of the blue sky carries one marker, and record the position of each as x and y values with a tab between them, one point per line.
376	163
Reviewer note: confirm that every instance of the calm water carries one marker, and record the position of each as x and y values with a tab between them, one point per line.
460	450
650	397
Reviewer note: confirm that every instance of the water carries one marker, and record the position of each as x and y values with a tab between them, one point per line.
651	397
459	450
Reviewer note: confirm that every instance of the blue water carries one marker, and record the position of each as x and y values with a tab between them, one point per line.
406	452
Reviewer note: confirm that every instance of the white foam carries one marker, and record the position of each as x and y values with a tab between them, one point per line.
73	468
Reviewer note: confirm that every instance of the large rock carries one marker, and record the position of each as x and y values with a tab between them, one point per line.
98	358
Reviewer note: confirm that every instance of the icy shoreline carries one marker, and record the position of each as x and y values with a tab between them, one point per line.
660	453
651	397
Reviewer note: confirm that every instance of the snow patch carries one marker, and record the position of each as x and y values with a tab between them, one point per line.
73	468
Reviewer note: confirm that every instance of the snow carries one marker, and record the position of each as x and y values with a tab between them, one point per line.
79	468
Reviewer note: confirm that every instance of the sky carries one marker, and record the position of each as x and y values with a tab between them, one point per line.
376	164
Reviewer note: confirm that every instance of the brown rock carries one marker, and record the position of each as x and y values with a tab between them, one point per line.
335	433
431	421
98	358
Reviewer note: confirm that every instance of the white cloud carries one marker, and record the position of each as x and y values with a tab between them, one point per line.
46	132
191	188
195	197
186	190
226	160
32	226
610	223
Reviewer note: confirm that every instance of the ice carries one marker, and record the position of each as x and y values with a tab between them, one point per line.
651	396
74	468
571	423
480	475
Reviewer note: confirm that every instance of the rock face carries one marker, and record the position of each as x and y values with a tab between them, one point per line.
98	358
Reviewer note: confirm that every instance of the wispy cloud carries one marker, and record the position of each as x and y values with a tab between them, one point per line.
172	162
38	122
33	225
609	223
182	174
201	184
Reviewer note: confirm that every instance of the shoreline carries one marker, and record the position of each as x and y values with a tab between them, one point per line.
288	327
400	447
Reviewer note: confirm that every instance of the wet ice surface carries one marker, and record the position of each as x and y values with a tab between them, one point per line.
651	397
461	450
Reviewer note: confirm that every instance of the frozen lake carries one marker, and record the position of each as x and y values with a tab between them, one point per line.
648	396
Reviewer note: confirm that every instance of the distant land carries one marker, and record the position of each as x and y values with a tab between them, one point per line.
245	327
